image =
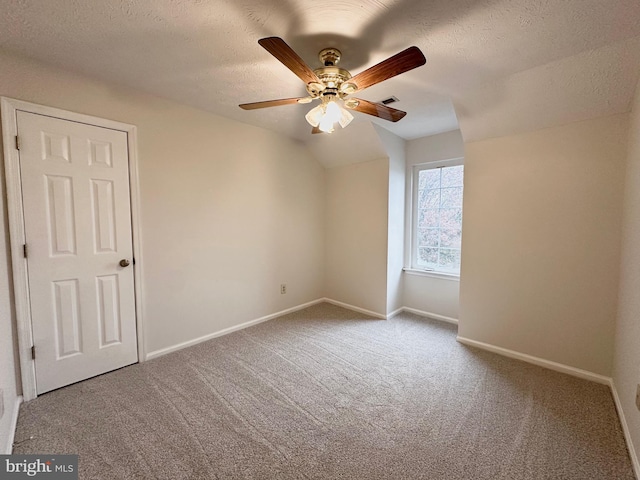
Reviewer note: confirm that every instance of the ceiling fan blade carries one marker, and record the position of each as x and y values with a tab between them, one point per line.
316	130
376	109
271	103
283	52
401	62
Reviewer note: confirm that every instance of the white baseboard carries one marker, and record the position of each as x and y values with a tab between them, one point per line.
394	313
8	447
625	430
195	341
433	316
354	308
541	362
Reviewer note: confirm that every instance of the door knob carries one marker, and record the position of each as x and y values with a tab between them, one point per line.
124	262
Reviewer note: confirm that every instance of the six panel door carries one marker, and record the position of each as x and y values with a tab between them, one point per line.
75	185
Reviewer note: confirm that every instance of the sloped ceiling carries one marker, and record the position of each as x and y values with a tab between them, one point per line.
502	66
358	143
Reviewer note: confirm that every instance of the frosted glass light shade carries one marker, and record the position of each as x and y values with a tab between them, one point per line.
315	115
333	112
326	125
345	118
326	115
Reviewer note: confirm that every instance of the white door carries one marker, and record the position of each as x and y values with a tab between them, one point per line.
75	187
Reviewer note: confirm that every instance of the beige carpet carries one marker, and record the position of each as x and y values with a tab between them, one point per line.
326	393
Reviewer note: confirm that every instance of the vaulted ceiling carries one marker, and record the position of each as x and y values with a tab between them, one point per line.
494	67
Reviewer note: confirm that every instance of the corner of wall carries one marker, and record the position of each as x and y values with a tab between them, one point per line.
626	363
396	150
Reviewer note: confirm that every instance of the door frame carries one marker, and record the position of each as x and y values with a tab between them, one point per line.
8	110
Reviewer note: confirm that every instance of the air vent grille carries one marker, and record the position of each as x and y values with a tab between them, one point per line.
389	100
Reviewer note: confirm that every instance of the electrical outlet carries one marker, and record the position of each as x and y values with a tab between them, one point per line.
638	396
1	403
283	289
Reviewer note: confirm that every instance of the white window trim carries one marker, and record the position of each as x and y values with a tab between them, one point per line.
412	257
431	273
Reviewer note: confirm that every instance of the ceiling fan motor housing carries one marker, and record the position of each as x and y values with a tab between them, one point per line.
330	76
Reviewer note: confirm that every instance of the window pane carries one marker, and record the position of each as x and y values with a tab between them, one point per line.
450	237
428	218
452	176
449	259
428	256
428	237
451	218
439	216
429	179
451	197
429	199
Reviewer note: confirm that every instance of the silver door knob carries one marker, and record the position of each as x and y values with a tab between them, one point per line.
124	262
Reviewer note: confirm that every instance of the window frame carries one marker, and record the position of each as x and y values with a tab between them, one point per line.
413	239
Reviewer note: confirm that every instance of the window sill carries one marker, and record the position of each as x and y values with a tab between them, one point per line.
429	273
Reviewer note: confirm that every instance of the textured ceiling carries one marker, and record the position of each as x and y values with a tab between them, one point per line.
502	66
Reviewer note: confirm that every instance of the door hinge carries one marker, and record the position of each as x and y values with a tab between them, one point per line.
33	352
24	250
17	142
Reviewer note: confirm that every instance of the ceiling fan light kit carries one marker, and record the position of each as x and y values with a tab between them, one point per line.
332	85
327	114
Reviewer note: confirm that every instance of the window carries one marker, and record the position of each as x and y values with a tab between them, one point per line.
437	218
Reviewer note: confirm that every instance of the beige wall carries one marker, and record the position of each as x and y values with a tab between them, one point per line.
229	211
356	234
540	245
443	146
626	371
430	294
433	295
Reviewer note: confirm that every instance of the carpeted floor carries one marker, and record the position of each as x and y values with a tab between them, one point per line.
327	393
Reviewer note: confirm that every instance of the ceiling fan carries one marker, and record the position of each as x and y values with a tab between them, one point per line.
333	85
